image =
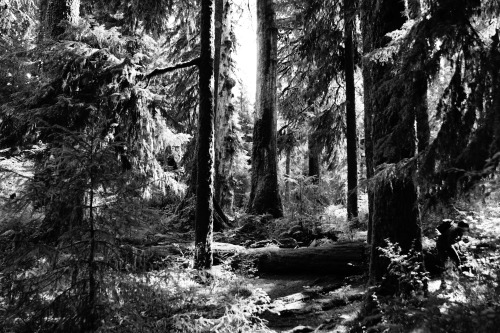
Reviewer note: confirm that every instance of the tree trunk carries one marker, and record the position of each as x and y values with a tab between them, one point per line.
495	79
368	112
419	81
225	136
205	156
53	12
287	171
395	208
264	194
368	121
314	160
352	149
419	84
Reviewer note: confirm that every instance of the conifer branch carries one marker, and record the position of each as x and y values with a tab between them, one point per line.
160	71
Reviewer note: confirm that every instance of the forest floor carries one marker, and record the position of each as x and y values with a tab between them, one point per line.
306	303
298	301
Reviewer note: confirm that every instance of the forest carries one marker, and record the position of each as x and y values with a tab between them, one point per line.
249	166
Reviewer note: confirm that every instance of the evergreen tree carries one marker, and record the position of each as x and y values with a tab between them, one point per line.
264	195
395	214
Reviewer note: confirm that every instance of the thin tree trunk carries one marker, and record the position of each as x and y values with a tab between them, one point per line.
352	149
205	157
368	114
420	86
92	270
287	171
264	194
495	78
314	160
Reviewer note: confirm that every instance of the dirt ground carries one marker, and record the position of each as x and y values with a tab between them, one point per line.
307	302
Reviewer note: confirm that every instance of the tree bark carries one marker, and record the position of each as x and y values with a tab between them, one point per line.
264	194
395	208
288	157
314	160
225	136
53	12
495	79
203	258
368	123
352	149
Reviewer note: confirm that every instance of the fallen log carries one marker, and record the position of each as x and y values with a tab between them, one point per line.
146	256
219	249
341	258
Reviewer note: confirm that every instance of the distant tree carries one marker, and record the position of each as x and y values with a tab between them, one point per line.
205	155
264	195
311	67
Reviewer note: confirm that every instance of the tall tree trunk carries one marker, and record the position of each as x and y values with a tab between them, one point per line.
314	159
419	83
205	156
495	79
225	136
368	112
53	12
395	207
264	194
287	171
352	149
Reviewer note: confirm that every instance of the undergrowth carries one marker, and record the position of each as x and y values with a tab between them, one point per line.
460	302
184	300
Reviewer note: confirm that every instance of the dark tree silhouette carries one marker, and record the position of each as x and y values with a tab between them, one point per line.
205	155
352	161
395	214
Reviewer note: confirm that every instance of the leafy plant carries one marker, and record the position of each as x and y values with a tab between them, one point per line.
406	270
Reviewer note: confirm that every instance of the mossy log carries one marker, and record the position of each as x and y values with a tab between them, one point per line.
341	259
